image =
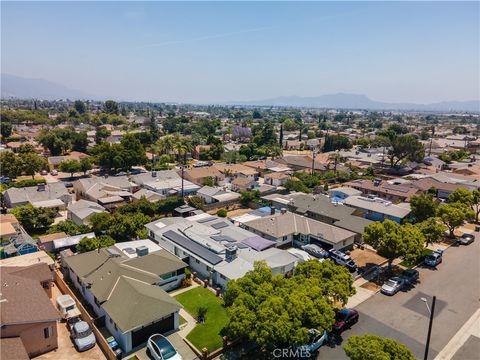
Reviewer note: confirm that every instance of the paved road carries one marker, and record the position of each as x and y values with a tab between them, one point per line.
404	316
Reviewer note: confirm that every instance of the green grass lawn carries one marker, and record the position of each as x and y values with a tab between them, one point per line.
206	335
410	264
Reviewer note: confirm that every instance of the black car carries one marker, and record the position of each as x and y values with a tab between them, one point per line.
68	185
410	276
344	319
466	239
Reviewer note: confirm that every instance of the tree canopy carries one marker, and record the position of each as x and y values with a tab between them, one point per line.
32	218
276	311
423	207
454	214
88	244
372	347
405	147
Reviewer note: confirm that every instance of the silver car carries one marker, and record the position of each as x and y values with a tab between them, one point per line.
393	285
82	336
161	349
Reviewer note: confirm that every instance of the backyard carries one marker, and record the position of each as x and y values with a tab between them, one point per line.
208	334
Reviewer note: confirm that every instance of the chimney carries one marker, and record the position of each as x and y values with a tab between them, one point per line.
231	253
142	251
272	210
41	187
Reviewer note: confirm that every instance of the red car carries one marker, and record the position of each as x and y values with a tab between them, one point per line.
344	319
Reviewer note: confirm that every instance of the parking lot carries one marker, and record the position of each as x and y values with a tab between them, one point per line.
405	317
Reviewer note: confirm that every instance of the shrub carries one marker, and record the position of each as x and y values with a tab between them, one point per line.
222	213
201	312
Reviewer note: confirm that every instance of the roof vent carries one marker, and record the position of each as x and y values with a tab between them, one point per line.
142	250
231	253
41	187
154	174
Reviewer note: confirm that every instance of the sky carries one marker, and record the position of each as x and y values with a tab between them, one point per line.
213	52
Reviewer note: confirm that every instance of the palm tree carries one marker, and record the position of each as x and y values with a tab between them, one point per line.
276	151
335	158
182	147
163	145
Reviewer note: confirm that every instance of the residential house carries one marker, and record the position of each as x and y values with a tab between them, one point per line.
69	242
9	227
442	189
149	195
303	162
265	166
199	149
237	170
276	178
215	194
13	349
54	161
288	229
19	244
45	242
339	194
385	189
82	210
51	195
110	192
27	314
242	184
378	209
29	259
166	182
216	249
321	208
128	293
198	175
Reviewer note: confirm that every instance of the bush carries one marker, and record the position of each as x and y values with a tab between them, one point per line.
222	213
197	202
27	183
201	312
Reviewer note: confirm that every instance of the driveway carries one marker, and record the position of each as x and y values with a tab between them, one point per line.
405	317
177	342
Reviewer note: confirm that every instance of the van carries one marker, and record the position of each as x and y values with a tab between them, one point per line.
67	307
342	259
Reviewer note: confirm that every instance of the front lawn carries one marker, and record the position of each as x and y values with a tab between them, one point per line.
411	264
206	335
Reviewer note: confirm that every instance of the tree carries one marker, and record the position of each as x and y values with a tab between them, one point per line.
70	166
101	134
372	347
79	141
289	125
32	163
197	202
336	142
423	207
453	215
111	107
276	311
182	148
11	165
294	184
461	195
476	203
392	240
5	128
249	195
432	230
222	212
69	227
89	244
80	106
334	158
133	151
85	165
405	147
100	222
208	181
32	218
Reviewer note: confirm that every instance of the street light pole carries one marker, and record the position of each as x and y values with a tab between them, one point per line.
432	312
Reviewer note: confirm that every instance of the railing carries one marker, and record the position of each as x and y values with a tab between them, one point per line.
102	343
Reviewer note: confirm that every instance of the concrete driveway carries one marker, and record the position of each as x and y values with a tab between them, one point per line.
405	317
177	342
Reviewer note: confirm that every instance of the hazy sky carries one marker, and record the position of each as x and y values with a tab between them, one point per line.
215	52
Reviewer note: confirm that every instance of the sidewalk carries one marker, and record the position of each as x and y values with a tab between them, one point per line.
361	295
470	328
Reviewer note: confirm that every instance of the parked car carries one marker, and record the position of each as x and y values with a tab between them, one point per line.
344	319
54	173
393	285
466	239
315	250
5	180
68	185
316	339
82	336
161	349
342	259
410	276
434	258
372	272
44	172
121	173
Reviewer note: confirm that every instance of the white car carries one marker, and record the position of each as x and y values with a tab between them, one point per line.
393	285
82	336
161	349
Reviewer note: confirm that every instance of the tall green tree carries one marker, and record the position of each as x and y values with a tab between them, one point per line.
111	107
392	240
476	203
70	166
32	163
461	195
79	106
453	215
432	230
32	218
89	244
423	207
85	165
336	142
11	165
101	134
372	347
405	147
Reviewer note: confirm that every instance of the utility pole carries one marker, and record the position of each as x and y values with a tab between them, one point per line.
313	160
432	312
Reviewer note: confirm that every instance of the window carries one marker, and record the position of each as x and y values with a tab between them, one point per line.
47	332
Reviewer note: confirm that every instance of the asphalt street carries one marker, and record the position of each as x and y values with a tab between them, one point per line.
405	317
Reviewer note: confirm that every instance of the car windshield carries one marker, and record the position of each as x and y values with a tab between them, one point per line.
341	316
166	349
391	283
85	333
431	257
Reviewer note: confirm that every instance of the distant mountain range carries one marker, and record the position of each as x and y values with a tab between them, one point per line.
27	88
355	101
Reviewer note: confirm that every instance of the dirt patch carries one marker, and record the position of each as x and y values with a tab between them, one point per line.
238	212
366	258
371	286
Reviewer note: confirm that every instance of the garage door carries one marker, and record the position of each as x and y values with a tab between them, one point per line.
141	336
